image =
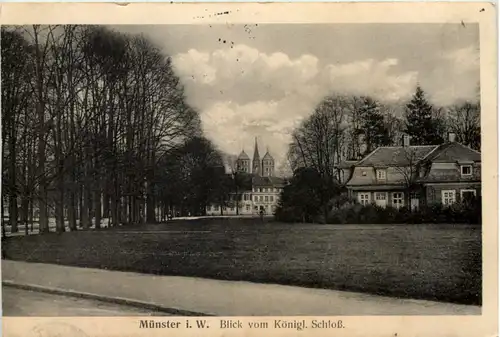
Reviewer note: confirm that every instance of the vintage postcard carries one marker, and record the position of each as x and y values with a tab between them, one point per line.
244	169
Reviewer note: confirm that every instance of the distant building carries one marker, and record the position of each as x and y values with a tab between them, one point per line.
259	189
445	174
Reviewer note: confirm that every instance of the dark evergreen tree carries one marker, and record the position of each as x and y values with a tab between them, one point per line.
421	125
374	129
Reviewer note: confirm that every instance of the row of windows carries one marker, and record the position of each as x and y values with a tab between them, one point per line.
465	170
381	198
267	189
263	198
247	208
448	197
247	197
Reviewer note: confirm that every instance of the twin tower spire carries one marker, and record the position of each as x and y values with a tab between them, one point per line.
261	167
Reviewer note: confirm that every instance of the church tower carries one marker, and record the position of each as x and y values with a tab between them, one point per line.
268	165
243	162
256	164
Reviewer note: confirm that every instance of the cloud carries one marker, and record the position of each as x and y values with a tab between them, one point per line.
242	93
244	74
464	59
371	77
456	78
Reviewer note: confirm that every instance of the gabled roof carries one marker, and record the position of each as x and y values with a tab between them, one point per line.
454	152
267	156
386	156
243	156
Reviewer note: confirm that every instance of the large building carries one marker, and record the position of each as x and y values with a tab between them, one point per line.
259	189
260	167
445	174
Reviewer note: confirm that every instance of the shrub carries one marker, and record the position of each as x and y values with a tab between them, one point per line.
358	214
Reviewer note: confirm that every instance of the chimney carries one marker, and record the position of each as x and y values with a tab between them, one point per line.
451	137
406	140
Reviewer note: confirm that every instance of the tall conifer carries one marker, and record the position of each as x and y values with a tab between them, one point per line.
421	125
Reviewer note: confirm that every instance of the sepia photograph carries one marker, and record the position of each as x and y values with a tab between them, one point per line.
246	169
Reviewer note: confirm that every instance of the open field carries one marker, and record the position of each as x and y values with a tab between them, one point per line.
435	262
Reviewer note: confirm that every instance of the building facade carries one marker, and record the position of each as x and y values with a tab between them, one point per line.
259	188
410	175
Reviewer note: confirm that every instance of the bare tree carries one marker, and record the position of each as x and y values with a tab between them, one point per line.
464	121
88	116
406	162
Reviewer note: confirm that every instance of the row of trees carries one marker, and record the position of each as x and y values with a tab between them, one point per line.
93	123
348	128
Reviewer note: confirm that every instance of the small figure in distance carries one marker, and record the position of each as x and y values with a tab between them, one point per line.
261	215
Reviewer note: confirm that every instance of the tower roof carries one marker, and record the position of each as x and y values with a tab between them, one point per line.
256	155
268	156
243	155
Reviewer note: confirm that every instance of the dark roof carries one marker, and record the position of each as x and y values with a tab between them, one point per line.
454	152
243	155
267	181
386	156
347	164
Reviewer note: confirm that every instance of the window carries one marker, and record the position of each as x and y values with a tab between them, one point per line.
232	208
381	174
467	195
266	198
448	197
216	208
364	198
256	198
380	196
271	198
261	198
466	170
397	199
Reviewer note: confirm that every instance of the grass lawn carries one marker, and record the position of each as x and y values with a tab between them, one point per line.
435	262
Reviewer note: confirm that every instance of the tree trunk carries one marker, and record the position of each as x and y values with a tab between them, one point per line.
72	210
59	204
30	214
13	211
106	199
24	212
97	207
114	208
85	211
150	206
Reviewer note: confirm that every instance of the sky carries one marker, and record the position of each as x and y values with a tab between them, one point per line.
261	81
